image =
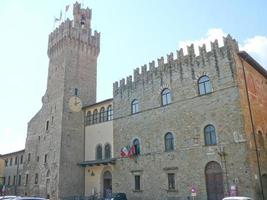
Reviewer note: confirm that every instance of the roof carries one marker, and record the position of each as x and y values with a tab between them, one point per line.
97	162
100	102
12	153
253	63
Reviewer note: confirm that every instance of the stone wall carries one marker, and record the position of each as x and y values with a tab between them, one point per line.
56	132
186	116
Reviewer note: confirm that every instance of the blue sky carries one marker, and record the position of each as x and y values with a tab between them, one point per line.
133	33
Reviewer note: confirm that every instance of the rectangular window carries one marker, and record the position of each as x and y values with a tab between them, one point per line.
6	162
21	159
171	181
47	125
45	158
76	91
11	161
29	157
19	183
16	160
8	181
37	158
137	182
26	179
14	180
36	179
4	180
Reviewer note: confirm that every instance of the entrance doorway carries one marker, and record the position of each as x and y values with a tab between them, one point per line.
107	184
214	181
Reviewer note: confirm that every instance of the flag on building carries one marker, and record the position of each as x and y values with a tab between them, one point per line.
131	151
128	151
124	152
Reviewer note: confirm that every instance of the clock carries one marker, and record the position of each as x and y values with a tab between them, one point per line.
75	104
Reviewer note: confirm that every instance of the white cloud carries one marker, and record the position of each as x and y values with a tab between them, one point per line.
257	48
211	36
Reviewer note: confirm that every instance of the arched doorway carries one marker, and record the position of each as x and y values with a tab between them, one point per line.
107	184
264	184
214	181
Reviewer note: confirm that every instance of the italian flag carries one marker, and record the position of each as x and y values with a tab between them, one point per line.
124	152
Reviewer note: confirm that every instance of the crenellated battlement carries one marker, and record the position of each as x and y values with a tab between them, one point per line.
78	31
181	63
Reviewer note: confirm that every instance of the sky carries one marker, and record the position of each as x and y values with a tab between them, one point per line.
133	33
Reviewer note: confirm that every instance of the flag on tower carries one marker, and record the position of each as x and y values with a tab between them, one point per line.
60	17
67	8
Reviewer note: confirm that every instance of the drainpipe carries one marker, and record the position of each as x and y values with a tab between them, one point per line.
253	129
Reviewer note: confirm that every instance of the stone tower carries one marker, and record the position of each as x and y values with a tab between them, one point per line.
55	138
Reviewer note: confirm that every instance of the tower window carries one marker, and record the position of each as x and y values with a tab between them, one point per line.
21	159
171	181
47	125
45	158
19	182
82	19
26	179
29	157
36	179
76	91
169	144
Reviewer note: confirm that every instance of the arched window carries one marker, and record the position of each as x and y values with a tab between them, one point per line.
48	173
102	115
99	152
107	151
204	85
109	113
88	118
135	106
136	144
95	116
169	143
165	97
210	135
